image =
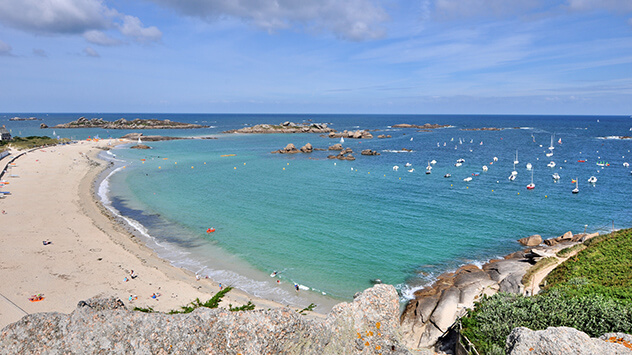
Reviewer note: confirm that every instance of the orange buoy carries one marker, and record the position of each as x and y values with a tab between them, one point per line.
210	230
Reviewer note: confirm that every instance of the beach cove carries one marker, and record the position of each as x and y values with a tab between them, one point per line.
333	227
86	254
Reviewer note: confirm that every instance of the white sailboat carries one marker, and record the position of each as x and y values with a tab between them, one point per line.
342	140
551	147
516	160
529	166
428	168
514	172
576	189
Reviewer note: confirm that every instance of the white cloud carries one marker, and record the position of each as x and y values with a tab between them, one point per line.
614	5
89	18
54	16
471	8
132	27
352	19
90	52
100	38
5	48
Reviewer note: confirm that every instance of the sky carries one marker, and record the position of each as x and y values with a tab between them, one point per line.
317	56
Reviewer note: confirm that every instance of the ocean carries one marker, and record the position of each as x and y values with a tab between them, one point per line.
335	227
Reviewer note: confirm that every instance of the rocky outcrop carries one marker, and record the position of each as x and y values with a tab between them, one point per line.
43	125
289	149
345	154
425	126
140	146
566	237
359	134
336	146
122	123
368	325
434	309
285	127
382	136
531	241
369	152
564	340
307	148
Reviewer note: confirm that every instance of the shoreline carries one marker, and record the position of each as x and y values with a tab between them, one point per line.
90	254
250	281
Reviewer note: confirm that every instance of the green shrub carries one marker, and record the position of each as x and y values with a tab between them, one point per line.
489	324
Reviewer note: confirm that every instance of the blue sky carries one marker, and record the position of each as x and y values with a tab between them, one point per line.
300	56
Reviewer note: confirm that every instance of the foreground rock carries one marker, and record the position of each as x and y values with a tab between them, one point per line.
434	309
122	123
368	325
359	134
564	340
285	127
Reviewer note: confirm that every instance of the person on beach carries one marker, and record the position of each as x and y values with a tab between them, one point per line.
296	287
132	274
220	286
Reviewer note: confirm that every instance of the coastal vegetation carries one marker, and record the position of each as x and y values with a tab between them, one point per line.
591	291
30	142
213	302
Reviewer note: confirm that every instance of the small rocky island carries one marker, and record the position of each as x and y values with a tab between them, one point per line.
487	129
122	123
285	127
425	126
359	134
24	119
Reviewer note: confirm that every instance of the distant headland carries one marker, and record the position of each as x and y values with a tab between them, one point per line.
122	123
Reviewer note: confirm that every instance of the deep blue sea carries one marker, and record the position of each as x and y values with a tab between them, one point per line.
333	226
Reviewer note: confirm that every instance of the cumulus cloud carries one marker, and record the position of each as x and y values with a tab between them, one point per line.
5	48
90	52
54	16
132	27
100	38
89	18
352	19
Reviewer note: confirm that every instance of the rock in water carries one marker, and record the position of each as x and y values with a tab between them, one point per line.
531	241
561	340
368	325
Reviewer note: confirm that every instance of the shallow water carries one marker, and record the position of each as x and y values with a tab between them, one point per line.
333	226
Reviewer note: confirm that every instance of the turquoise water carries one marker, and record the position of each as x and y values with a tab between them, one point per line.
333	226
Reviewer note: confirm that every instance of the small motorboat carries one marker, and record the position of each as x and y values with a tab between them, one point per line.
408	165
512	177
549	154
529	166
467	179
433	162
447	175
485	168
551	164
592	180
495	158
460	160
395	168
411	170
626	164
556	176
458	164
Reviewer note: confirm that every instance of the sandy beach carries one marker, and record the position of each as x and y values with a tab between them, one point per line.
89	254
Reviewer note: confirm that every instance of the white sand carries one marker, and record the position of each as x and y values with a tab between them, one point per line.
89	255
